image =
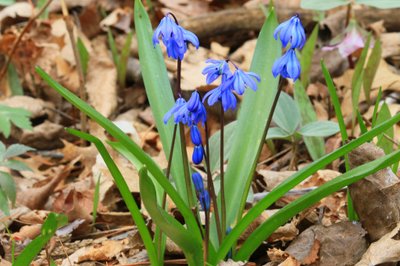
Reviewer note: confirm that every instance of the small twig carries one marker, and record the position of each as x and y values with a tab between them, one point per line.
19	39
65	252
82	88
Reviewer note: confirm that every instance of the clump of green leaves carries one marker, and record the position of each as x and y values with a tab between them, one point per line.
120	59
7	184
288	118
17	116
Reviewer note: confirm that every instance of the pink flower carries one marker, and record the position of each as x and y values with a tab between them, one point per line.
352	41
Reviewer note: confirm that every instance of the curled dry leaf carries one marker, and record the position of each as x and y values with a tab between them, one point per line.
376	197
119	18
37	107
21	9
386	249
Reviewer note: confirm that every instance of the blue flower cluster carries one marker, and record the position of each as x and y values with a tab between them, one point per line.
190	113
202	193
290	31
230	82
174	37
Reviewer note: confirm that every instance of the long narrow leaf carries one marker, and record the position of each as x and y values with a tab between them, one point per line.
295	179
306	201
125	140
253	115
158	91
125	193
192	247
307	55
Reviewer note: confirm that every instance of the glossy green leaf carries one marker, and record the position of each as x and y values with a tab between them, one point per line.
13	81
380	3
253	114
159	92
277	133
7	184
49	228
322	5
191	246
294	180
315	145
383	141
83	55
125	140
283	215
319	129
214	141
307	55
287	114
371	68
125	193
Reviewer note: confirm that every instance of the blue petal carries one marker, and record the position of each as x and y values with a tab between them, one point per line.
204	199
189	36
195	135
198	182
197	156
194	102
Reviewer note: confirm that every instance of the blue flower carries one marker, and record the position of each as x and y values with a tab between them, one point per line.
288	66
198	182
174	37
197	109
179	104
224	94
215	69
197	156
204	199
195	135
242	80
291	31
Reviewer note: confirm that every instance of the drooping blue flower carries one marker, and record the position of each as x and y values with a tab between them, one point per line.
179	104
204	199
291	31
198	182
195	135
288	66
197	109
243	80
215	69
198	154
174	37
224	94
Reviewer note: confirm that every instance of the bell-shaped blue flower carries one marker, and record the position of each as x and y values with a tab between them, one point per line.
224	94
204	199
174	37
197	109
198	182
288	66
291	31
198	154
243	80
215	69
195	135
179	104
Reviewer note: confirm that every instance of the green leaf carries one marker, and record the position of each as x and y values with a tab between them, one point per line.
4	202
83	55
96	198
322	5
376	107
125	140
319	129
40	4
214	143
123	60
306	201
380	4
383	142
15	165
372	68
363	127
253	114
306	56
277	133
191	246
16	150
2	151
125	193
294	180
5	125
13	81
315	145
19	116
287	114
113	48
7	184
159	92
6	2
355	96
49	228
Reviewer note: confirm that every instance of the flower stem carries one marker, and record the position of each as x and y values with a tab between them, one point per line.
222	178
207	235
210	186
